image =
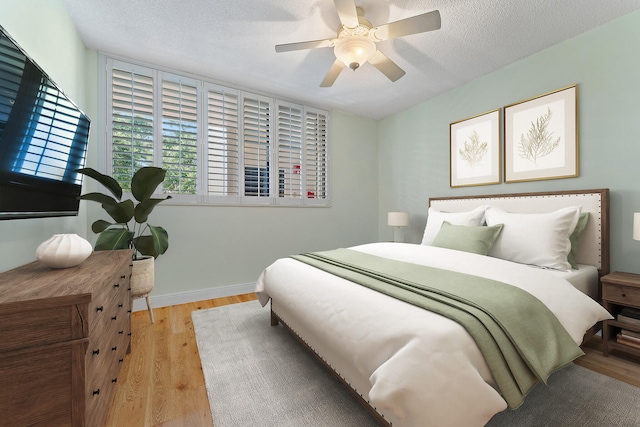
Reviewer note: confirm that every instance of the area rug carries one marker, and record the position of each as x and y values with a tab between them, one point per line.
259	375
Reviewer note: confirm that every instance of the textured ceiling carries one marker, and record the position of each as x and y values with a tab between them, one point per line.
232	41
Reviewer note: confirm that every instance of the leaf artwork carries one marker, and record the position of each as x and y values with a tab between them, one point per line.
474	150
539	140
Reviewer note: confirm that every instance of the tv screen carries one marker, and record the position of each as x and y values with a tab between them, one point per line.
43	140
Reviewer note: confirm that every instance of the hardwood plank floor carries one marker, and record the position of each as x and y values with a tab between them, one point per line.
161	382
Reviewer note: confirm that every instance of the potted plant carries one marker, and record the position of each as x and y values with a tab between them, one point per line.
130	228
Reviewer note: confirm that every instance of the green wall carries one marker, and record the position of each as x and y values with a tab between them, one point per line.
213	246
44	30
604	62
210	246
393	164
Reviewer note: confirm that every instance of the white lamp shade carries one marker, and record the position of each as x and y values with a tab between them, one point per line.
398	219
636	226
353	51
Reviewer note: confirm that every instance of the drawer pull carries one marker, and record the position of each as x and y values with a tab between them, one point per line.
96	392
114	348
115	380
120	305
123	276
128	289
120	332
114	317
120	360
129	334
624	295
101	308
117	285
96	351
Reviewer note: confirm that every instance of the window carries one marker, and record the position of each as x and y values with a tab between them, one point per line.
179	136
219	145
290	150
130	133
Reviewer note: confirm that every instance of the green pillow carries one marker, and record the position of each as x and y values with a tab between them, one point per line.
468	238
580	226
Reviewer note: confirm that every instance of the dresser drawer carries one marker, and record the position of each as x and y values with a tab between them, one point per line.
621	294
40	383
41	327
106	369
103	341
112	312
117	283
98	402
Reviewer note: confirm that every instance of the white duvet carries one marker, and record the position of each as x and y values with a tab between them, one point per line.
415	367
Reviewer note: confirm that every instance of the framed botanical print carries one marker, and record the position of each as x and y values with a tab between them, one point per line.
475	150
541	137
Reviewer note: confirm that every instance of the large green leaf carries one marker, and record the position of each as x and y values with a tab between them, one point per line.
100	225
115	238
110	183
152	245
145	181
144	245
100	198
120	212
144	208
160	238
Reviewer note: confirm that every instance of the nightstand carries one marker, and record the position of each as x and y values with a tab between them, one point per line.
620	291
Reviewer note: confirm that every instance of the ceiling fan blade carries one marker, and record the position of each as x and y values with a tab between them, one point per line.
347	12
333	73
417	24
288	47
386	66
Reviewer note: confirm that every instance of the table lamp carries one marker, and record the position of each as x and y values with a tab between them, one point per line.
397	220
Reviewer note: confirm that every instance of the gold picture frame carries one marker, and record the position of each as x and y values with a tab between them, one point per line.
475	150
541	137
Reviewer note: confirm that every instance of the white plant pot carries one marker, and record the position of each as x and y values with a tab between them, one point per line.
63	250
142	277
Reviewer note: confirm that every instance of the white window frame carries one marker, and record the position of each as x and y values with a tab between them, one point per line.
202	196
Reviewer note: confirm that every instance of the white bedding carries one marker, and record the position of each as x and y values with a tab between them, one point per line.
585	279
415	367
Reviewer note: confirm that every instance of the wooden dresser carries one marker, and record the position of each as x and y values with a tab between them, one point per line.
63	337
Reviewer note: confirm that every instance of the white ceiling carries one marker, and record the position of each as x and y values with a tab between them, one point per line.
232	41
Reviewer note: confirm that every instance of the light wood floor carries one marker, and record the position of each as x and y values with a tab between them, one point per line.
161	382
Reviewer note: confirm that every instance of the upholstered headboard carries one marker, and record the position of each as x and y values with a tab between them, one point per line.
593	245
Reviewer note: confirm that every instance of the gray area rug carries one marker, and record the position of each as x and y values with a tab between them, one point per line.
259	375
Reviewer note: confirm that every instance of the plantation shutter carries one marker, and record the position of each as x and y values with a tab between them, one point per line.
289	150
223	157
316	157
132	124
180	136
257	146
218	144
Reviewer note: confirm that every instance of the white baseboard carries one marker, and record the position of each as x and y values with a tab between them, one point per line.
193	296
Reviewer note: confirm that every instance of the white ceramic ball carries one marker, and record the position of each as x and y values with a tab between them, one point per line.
63	250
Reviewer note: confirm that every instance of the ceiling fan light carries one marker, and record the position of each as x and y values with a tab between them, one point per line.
354	51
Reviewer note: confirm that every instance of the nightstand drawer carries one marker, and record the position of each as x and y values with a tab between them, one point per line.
621	294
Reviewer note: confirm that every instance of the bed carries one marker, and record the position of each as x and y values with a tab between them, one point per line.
414	367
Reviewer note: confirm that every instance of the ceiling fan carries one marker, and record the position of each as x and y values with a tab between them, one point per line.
356	40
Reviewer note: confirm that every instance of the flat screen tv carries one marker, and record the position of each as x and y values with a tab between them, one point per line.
43	140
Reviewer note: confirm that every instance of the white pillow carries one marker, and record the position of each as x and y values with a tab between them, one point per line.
540	239
435	219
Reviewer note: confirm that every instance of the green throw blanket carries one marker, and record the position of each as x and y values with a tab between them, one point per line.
520	338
